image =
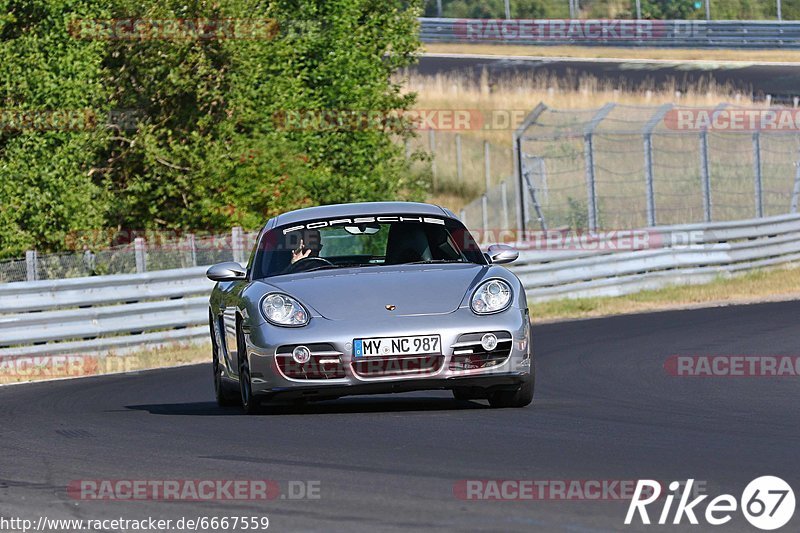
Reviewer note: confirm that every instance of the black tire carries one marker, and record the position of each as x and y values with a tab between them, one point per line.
521	397
461	394
250	403
464	394
226	395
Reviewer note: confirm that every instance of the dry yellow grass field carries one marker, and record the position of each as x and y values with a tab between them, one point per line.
678	54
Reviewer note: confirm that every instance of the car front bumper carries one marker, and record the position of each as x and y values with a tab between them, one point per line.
265	342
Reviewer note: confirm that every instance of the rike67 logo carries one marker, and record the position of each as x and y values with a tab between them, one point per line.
767	503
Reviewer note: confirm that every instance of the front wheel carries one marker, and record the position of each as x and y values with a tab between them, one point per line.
224	394
520	397
249	402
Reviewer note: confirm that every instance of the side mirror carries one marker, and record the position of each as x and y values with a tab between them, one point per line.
501	254
230	271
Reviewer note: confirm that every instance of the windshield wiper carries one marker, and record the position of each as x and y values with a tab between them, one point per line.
435	261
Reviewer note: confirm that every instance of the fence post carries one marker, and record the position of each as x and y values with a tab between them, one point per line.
237	243
31	265
459	162
432	148
487	165
648	178
140	250
588	156
591	191
484	217
648	161
504	201
191	245
705	175
796	189
757	174
508	8
519	171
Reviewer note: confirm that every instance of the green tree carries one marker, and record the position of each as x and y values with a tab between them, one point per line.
205	151
46	186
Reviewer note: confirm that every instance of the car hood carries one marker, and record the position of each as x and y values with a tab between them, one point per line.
363	293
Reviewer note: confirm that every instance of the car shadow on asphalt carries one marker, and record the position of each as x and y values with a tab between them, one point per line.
339	406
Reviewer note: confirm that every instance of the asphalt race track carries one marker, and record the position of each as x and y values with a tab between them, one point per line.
605	409
781	80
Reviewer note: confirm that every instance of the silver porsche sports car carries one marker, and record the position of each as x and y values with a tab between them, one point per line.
369	298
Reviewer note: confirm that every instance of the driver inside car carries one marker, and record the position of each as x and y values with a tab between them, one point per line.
310	245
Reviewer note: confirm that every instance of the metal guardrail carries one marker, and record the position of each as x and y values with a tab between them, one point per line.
103	313
702	253
117	313
625	33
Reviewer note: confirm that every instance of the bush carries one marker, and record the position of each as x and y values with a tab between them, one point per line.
204	151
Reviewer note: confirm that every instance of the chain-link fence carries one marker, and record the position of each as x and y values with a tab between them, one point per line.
144	254
638	166
627	167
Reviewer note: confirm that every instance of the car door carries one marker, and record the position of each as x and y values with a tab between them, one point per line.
229	308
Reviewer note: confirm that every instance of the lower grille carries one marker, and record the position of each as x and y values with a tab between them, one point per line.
325	363
374	367
468	354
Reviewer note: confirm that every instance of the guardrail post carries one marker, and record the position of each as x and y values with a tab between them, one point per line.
191	248
504	201
459	162
140	251
759	192
487	164
705	175
237	243
31	265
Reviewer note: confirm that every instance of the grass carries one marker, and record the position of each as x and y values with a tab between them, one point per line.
678	54
760	285
39	368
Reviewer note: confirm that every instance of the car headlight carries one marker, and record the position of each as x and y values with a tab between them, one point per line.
283	310
492	296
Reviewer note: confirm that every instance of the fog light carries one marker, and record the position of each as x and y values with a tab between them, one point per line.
489	342
301	355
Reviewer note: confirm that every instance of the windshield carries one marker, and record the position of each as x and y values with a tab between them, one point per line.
363	242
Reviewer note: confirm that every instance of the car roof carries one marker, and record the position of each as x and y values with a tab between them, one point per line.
359	209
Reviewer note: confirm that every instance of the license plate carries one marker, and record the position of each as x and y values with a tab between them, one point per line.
385	346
